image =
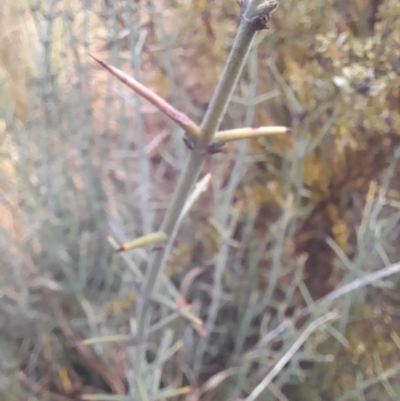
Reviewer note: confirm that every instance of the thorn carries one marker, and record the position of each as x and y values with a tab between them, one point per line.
121	249
189	142
102	63
216	147
181	302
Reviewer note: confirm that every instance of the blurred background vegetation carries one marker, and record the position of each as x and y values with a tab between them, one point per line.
287	220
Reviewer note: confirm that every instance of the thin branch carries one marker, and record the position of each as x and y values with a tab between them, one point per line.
210	124
326	301
357	284
289	354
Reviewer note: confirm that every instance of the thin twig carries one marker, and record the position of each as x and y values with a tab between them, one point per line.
356	284
327	300
289	354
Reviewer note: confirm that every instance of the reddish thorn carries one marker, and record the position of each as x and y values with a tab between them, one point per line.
181	302
122	249
102	63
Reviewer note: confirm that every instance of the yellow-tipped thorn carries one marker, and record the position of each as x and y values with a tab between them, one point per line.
143	241
248	133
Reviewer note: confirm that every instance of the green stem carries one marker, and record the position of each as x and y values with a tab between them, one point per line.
210	124
226	85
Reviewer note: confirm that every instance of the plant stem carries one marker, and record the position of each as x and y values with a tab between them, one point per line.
210	124
226	85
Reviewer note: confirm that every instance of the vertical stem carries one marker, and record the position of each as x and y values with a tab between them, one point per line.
210	124
228	81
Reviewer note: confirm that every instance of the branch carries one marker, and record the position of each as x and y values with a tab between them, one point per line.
289	354
248	27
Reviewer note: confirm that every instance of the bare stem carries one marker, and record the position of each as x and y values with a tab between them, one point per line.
210	124
226	85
